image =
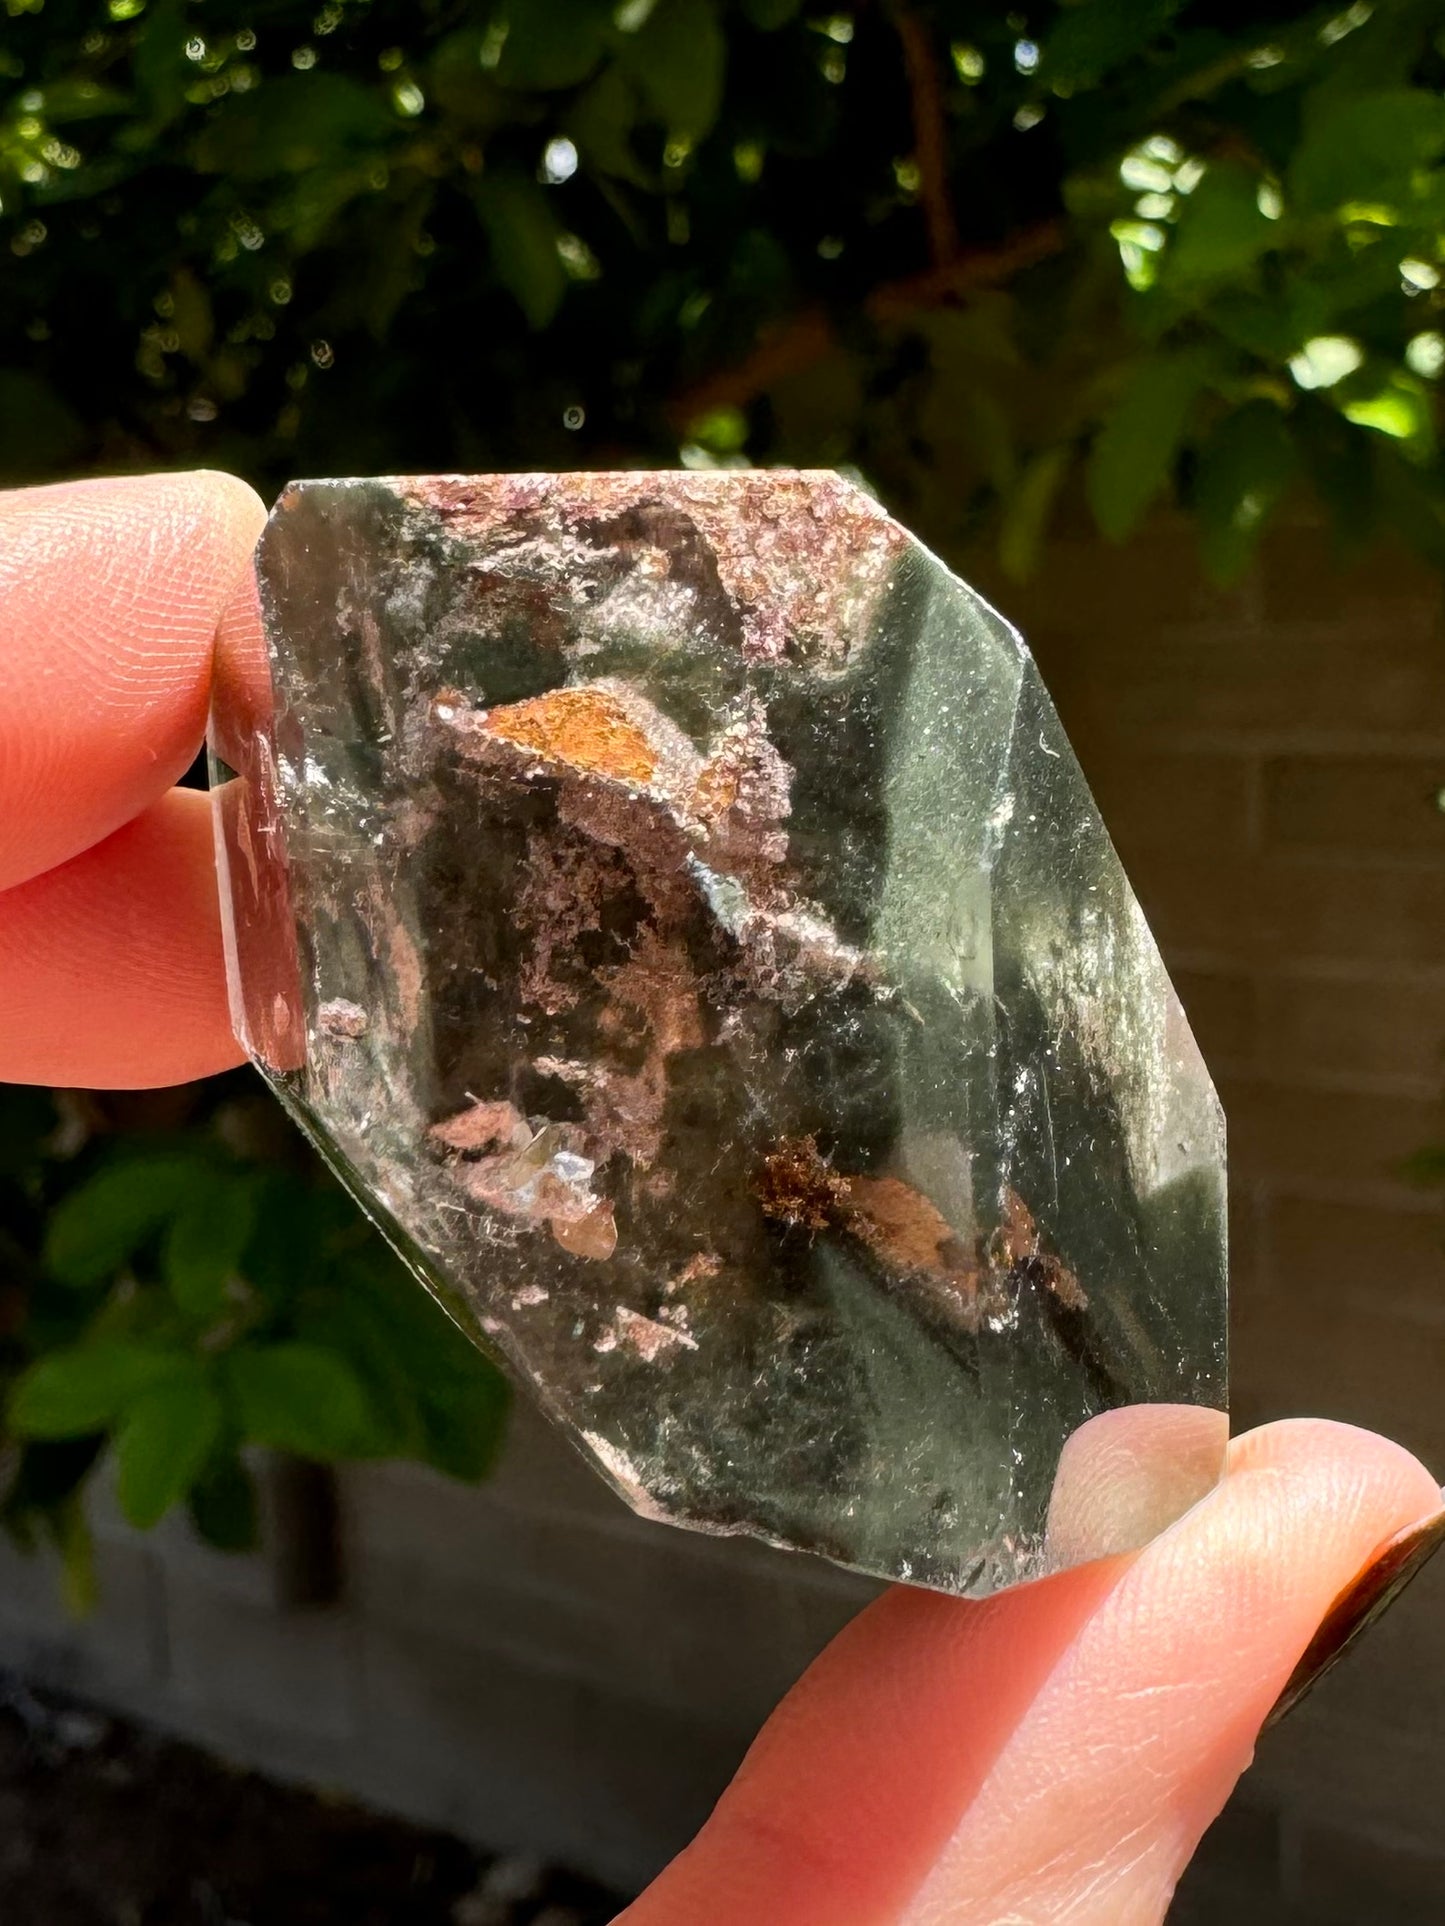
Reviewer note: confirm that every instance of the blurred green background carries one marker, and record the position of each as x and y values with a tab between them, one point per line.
1010	268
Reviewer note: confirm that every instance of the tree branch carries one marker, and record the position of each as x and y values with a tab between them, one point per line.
930	135
799	342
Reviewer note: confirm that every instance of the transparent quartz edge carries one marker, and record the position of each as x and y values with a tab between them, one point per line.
984	1575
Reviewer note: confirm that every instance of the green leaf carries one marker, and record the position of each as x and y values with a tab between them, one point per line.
98	1226
523	232
163	1443
206	1241
223	1506
1094	37
431	1393
1134	453
463	1426
1027	509
85	1387
768	15
302	1398
81	98
679	59
601	123
1401	409
295	123
292	1221
551	44
1369	150
1256	323
1244	472
1220	231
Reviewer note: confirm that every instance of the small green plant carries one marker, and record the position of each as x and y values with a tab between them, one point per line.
168	1297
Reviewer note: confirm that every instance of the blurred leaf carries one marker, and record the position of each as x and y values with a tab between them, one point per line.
78	97
105	1221
551	44
464	1425
679	59
291	1223
191	315
1027	509
27	1118
1244	471
1257	324
206	1241
524	233
462	87
223	1506
39	434
1369	149
430	1392
161	70
85	1387
292	124
768	15
1093	37
301	1398
1400	409
1134	454
601	121
1220	230
163	1443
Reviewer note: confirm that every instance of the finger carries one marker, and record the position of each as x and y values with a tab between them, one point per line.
111	969
1056	1752
110	593
1127	1474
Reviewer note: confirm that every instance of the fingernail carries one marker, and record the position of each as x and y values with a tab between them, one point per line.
1361	1602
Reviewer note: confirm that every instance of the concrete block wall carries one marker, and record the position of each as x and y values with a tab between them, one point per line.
533	1666
527	1663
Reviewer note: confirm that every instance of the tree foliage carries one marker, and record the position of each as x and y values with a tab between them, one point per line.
181	1296
977	255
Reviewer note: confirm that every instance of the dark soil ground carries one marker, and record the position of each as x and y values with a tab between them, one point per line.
104	1823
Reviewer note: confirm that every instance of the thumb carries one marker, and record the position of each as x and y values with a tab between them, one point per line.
1054	1753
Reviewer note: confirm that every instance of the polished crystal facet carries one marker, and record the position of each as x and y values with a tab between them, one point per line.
672	906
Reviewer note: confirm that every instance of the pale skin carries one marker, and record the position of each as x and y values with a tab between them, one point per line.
1051	1755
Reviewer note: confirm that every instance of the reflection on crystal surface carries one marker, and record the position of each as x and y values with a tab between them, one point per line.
672	904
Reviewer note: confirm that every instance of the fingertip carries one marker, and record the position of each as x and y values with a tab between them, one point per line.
110	594
231	498
1354	1469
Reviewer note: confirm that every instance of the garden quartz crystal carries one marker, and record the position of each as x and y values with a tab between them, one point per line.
672	906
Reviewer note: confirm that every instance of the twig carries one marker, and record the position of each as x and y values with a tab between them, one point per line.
930	135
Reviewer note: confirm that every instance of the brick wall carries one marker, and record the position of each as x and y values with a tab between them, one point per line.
530	1664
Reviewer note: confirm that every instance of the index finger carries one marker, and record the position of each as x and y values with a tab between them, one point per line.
110	593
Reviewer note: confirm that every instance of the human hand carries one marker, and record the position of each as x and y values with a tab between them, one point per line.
1053	1754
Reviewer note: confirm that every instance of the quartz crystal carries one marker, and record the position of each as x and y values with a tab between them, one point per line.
672	906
